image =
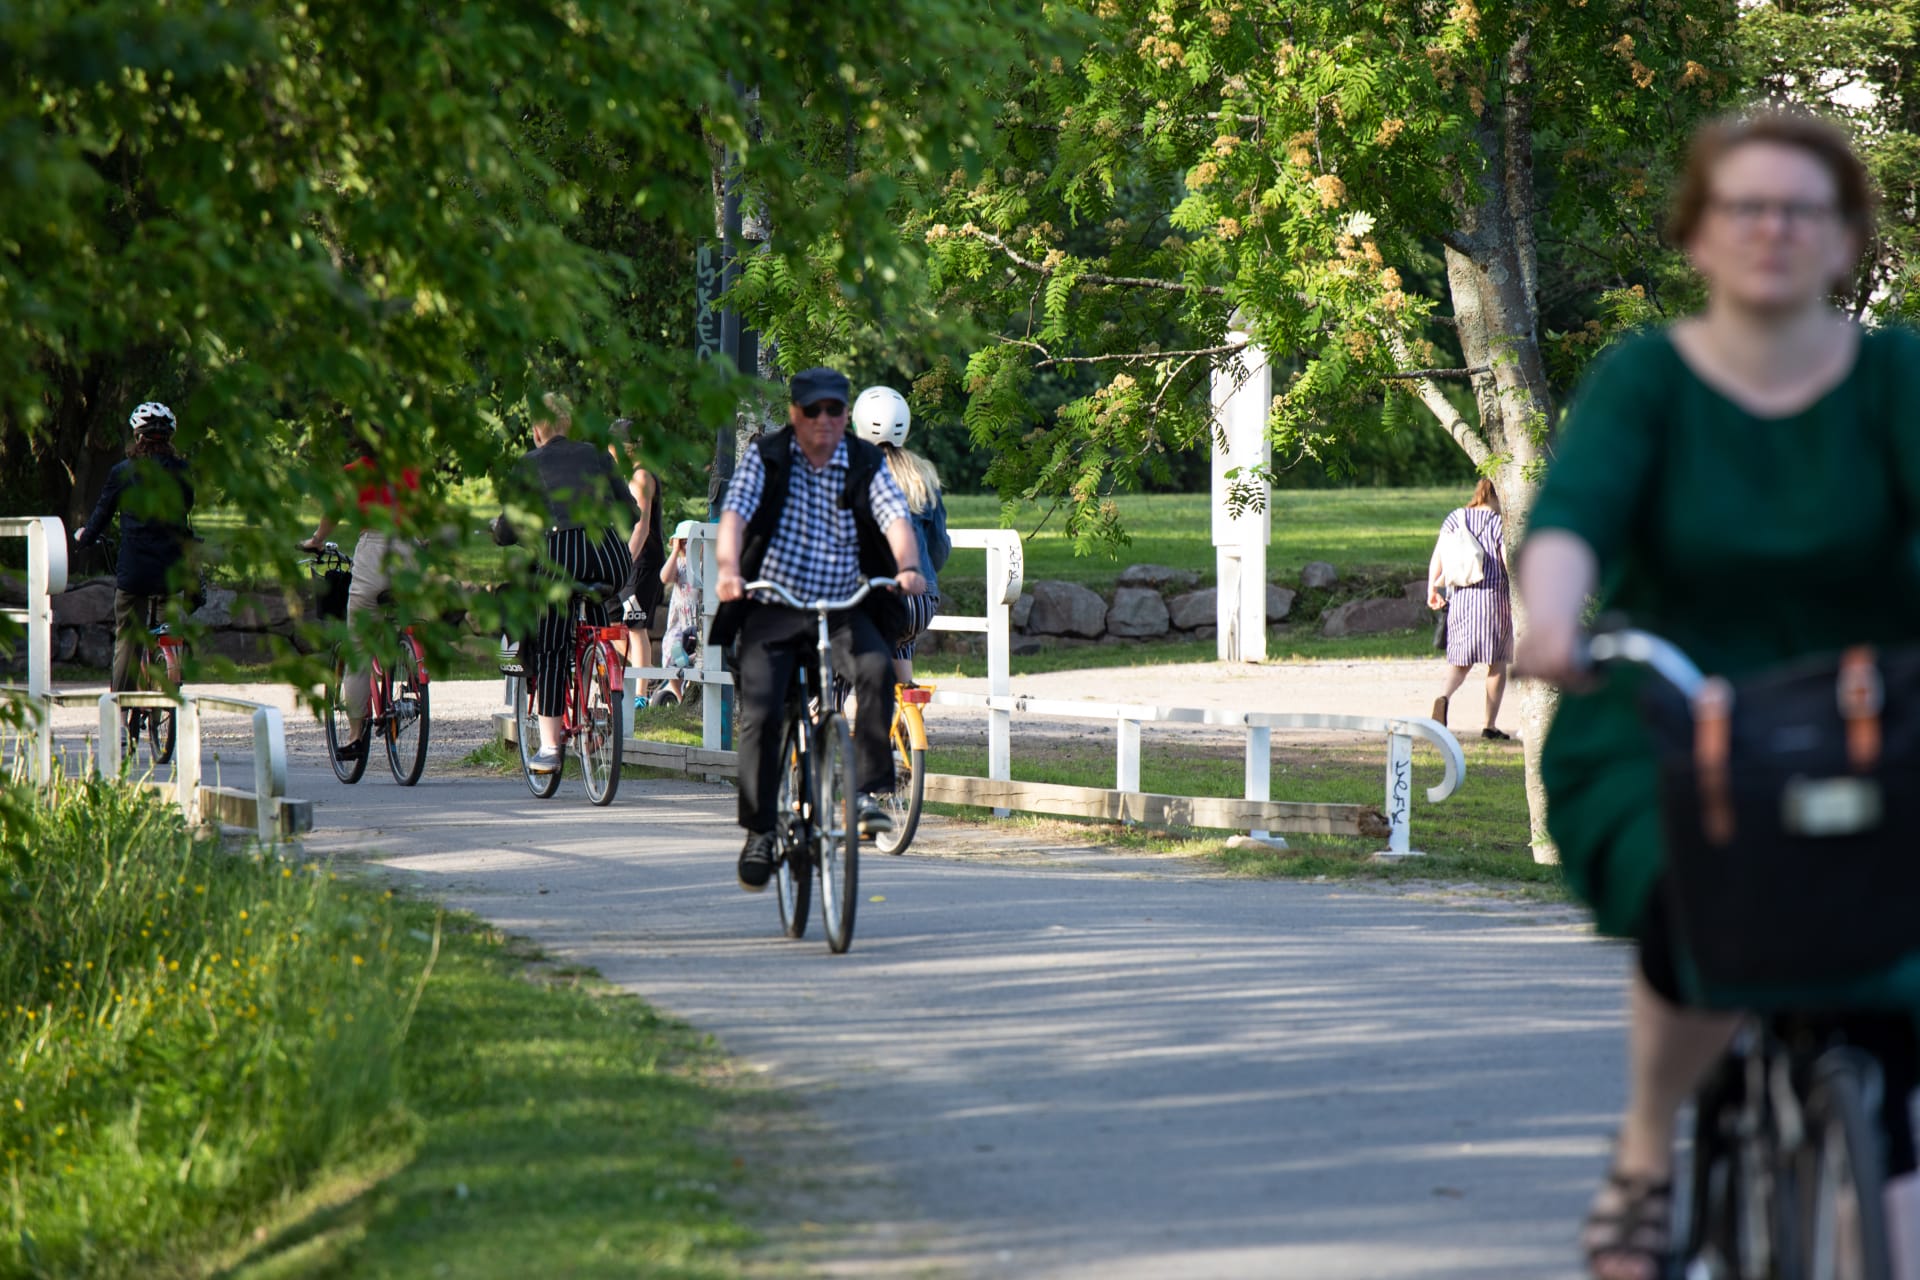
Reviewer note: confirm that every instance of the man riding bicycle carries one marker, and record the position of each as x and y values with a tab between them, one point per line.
815	510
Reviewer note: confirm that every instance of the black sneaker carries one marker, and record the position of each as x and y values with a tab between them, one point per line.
756	861
873	816
355	750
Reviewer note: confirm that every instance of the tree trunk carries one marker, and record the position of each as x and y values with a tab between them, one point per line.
1492	274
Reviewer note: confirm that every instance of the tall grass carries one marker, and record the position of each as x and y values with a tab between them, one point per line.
187	1032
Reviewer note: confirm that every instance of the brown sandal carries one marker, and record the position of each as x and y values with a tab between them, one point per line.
1639	1226
1440	710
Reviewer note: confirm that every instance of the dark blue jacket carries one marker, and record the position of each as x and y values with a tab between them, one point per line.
930	528
152	542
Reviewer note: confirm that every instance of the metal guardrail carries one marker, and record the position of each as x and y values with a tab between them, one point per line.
265	807
46	577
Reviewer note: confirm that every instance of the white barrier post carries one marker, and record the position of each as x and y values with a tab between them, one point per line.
1259	768
1399	805
1242	397
270	770
1126	772
186	761
1006	575
705	552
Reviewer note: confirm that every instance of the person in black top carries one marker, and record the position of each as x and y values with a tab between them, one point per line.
641	594
153	496
570	483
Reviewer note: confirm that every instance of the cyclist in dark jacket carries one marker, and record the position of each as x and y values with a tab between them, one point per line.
153	496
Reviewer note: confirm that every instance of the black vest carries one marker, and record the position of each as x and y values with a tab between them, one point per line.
876	554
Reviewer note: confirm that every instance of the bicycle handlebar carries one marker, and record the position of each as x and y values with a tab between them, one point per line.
818	606
1644	649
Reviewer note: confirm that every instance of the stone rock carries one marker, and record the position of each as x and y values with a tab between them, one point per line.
1417	592
1207	632
1157	577
66	643
1319	575
87	605
218	610
1137	612
13	589
1279	603
259	611
1025	647
1066	609
1195	609
237	646
94	647
1371	617
1021	610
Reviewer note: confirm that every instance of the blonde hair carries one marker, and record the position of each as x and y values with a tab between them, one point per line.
916	477
560	411
1484	495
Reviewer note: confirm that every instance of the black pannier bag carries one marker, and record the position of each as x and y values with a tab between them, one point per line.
1792	819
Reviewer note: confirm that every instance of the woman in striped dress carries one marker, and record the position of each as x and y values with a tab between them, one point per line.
1479	617
575	487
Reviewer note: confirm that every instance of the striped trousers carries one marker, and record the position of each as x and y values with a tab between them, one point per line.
549	663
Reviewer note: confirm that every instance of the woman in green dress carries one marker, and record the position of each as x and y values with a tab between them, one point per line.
1739	483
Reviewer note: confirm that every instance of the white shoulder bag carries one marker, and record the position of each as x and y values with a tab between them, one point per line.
1462	562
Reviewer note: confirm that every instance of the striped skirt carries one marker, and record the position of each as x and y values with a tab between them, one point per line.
549	664
1480	623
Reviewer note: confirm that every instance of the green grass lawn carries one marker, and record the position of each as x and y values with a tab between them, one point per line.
1479	834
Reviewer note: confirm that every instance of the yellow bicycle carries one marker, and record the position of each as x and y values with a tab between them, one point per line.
909	736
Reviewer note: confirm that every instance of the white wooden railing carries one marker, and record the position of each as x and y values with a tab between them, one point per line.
46	577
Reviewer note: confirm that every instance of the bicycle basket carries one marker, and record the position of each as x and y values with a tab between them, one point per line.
1790	812
330	592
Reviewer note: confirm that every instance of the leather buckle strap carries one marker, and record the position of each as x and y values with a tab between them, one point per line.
1712	758
1862	698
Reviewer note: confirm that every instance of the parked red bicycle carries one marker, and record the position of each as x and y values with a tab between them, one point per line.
398	710
591	718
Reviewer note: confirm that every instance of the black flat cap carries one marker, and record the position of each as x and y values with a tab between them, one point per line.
810	386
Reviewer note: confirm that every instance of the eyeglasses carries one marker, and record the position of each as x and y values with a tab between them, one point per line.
1794	214
832	408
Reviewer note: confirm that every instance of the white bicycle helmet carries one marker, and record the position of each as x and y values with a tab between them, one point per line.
152	419
881	416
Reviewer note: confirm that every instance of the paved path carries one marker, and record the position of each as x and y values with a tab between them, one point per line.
1055	1065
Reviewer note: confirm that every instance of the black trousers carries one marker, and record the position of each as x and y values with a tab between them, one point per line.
773	642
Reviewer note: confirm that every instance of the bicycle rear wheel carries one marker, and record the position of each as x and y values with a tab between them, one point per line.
1843	1180
793	876
834	821
409	719
909	788
527	736
599	735
338	728
160	720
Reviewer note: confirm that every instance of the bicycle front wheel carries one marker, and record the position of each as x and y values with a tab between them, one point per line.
338	728
909	787
793	877
409	719
527	735
835	822
160	731
1843	1184
600	727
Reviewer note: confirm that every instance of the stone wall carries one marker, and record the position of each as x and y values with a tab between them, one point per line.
1154	602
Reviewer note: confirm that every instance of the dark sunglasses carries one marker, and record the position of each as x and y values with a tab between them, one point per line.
832	408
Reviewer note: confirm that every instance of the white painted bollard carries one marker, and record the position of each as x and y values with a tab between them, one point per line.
1399	804
1259	778
1126	771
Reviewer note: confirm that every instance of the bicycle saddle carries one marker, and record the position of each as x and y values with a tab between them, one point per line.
598	590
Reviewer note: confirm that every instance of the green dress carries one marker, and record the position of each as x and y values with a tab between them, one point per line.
1747	541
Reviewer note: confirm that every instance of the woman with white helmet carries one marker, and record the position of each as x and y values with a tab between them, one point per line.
152	495
881	417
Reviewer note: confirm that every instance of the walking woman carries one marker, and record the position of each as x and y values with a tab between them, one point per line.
1743	482
575	486
641	595
1479	614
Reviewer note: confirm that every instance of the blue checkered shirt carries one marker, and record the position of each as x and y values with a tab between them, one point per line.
815	553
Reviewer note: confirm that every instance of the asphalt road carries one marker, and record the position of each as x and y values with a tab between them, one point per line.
1046	1061
1045	1066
